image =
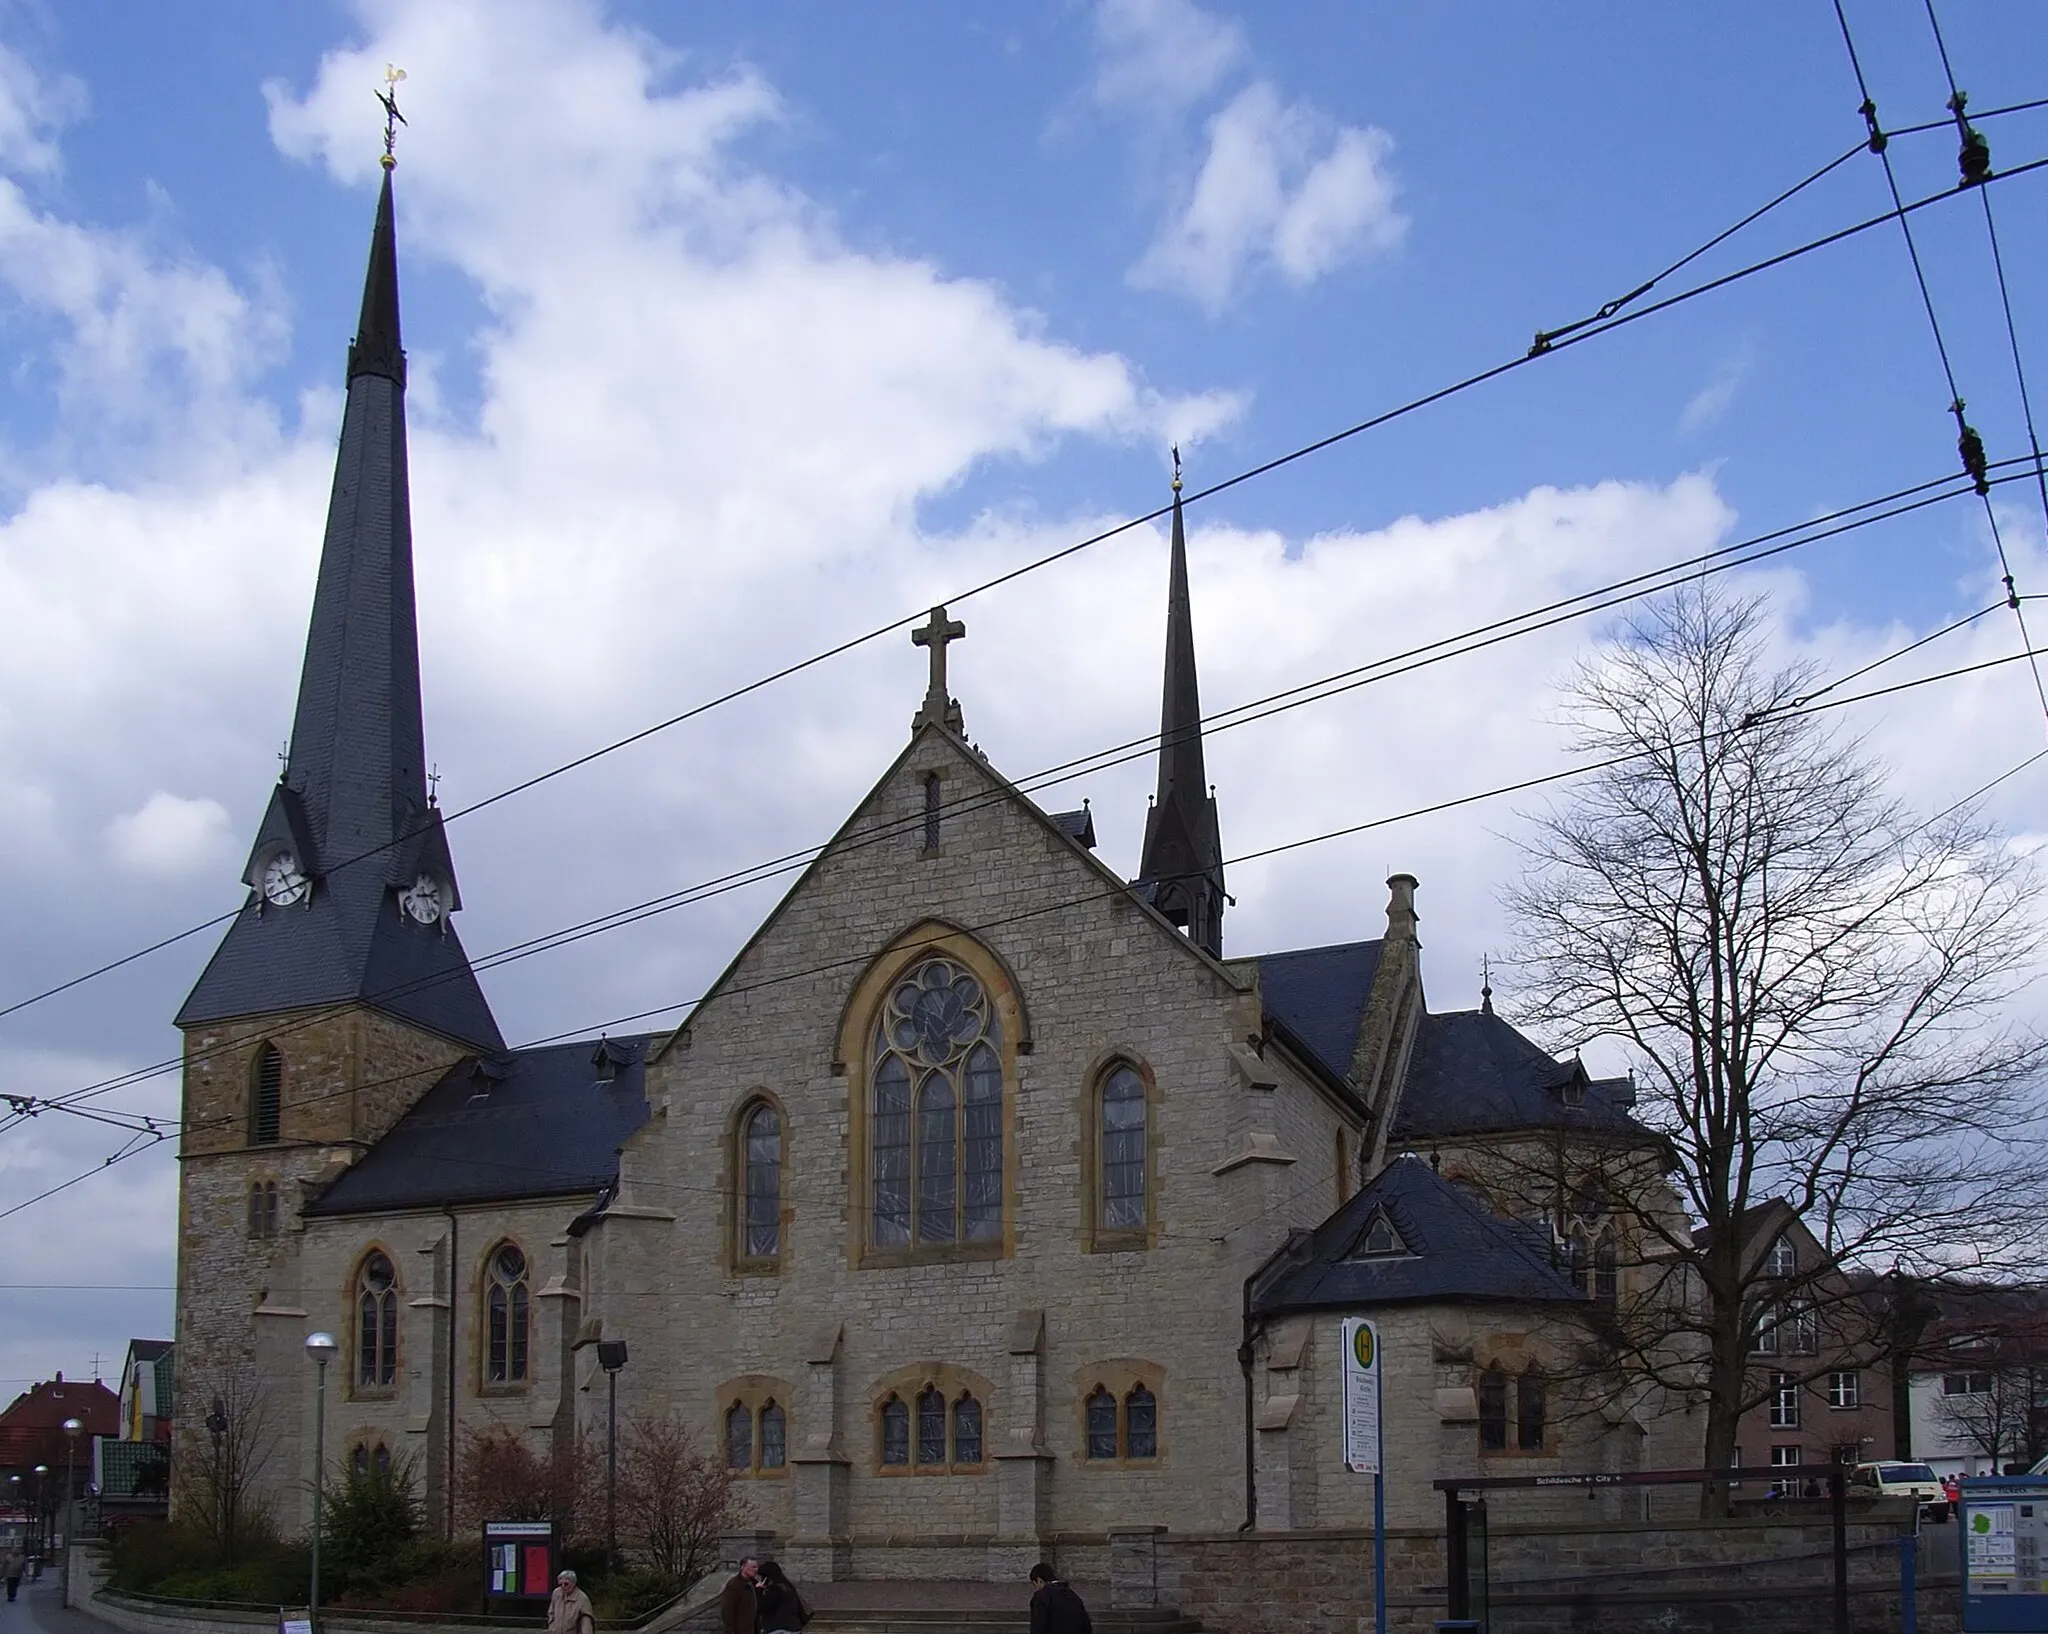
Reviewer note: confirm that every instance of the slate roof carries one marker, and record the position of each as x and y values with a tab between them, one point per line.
1457	1251
1472	1073
1078	826
1318	994
543	1122
352	807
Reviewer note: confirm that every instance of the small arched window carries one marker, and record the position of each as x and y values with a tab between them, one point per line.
1100	1414
263	1209
1782	1260
1493	1411
380	1460
359	1463
1121	1152
967	1431
266	1096
739	1436
1141	1423
376	1323
895	1427
761	1184
931	1426
506	1314
935	1130
774	1436
1531	1409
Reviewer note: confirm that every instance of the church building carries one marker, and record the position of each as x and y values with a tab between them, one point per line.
986	1202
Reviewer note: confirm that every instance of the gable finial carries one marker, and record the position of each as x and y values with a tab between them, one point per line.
939	706
392	117
1174	448
1485	985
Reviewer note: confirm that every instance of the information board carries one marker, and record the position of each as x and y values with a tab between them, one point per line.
519	1559
2004	1522
1361	1396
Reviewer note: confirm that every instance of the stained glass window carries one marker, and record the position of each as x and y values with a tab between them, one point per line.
1123	1151
1141	1424
739	1436
895	1433
1100	1410
931	1426
935	1147
774	1436
507	1309
762	1186
966	1431
376	1323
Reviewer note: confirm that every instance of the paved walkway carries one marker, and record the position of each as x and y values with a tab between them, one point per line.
40	1610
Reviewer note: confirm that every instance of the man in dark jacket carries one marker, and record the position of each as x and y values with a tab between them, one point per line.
739	1602
1055	1607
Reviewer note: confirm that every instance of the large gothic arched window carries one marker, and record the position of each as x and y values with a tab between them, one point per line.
506	1309
1121	1159
376	1323
760	1201
935	1145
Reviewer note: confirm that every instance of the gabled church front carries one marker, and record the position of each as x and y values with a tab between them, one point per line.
983	1206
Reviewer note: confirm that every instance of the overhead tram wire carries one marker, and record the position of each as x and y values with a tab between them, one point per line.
1958	101
1721	559
1560	339
1121	890
1975	163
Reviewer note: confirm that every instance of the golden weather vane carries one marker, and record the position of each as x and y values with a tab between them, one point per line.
392	117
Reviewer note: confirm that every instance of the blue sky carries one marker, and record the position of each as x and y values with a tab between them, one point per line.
736	330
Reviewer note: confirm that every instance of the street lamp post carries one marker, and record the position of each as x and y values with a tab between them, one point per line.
73	1429
611	1356
14	1507
42	1474
321	1348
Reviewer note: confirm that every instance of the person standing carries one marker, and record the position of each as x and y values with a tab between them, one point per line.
782	1609
569	1608
1055	1607
11	1567
739	1602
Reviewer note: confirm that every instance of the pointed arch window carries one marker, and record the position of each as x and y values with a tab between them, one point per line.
1606	1271
266	1096
931	1426
1100	1414
895	1426
760	1165
376	1323
774	1435
263	1209
935	1137
506	1311
1531	1409
1121	1427
1123	1192
739	1436
1493	1411
967	1431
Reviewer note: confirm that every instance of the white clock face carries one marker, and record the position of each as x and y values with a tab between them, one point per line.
422	899
283	881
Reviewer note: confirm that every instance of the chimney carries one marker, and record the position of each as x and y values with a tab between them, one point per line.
1401	907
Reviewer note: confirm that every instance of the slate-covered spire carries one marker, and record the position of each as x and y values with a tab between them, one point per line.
1182	867
351	883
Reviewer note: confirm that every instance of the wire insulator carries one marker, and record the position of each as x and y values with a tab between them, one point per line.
1878	139
1973	159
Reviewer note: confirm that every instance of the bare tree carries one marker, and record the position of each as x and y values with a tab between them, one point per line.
224	1449
1812	988
501	1475
675	1499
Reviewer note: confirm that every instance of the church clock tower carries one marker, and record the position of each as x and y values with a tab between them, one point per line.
341	991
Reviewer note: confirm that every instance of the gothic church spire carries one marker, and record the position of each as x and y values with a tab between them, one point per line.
351	882
1182	866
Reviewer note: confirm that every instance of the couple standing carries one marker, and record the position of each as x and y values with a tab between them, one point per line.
760	1599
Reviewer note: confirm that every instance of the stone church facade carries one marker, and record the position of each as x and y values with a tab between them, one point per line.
982	1206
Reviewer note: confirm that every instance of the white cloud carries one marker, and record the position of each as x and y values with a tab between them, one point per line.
1161	53
1280	187
32	109
168	836
1707	405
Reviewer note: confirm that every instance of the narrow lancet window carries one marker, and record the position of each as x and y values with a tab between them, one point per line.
1123	1151
761	1156
376	1323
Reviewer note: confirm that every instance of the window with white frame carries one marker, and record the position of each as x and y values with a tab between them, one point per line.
1966	1384
1845	1389
1784	1402
1782	1259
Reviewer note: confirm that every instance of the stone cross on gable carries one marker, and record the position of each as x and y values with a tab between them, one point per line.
938	706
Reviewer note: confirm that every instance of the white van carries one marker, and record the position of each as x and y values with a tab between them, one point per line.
1896	1480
